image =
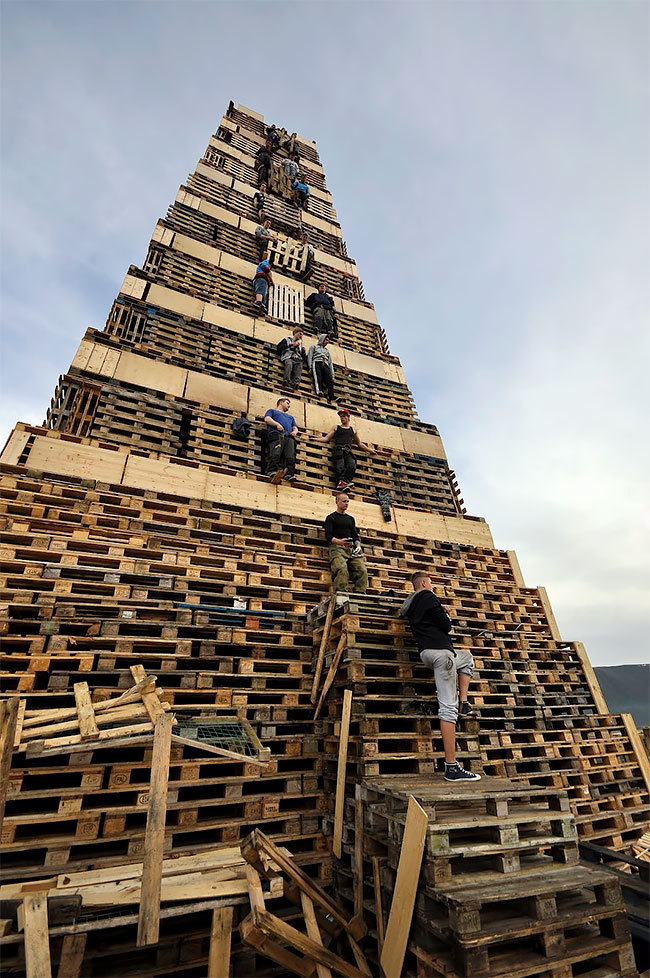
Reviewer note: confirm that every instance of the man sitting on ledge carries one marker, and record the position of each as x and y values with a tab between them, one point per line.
453	670
346	557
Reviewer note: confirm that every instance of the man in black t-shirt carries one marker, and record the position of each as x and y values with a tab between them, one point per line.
452	669
346	559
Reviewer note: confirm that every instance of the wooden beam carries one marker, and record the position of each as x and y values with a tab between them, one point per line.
516	569
340	772
406	886
20	719
72	954
590	676
332	672
637	746
8	721
149	916
152	703
548	612
358	851
37	937
85	713
323	645
313	931
379	910
220	937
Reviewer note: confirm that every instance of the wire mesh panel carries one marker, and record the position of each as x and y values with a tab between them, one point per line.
227	733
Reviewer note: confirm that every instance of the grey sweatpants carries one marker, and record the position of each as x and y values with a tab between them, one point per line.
446	665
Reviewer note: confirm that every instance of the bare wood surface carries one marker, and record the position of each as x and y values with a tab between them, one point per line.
8	721
331	674
637	746
313	931
358	851
379	910
20	719
340	772
221	751
71	958
149	917
406	885
220	939
323	645
590	676
150	700
85	713
37	938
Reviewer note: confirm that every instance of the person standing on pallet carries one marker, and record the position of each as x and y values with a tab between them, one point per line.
281	434
322	307
345	462
453	670
264	236
346	557
292	354
320	363
261	282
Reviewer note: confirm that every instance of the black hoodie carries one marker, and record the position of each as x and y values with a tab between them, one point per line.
429	621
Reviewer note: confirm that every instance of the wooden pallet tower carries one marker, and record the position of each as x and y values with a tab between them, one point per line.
210	764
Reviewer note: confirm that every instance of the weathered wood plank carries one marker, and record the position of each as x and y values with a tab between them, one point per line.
149	916
37	939
220	939
406	885
340	772
85	713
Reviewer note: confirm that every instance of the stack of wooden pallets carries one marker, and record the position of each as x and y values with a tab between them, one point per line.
177	681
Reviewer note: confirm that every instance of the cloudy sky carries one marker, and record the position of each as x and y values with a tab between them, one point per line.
489	163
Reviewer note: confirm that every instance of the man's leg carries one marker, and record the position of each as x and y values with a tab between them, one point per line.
358	574
444	669
465	669
296	374
289	456
339	567
349	467
318	318
288	371
339	464
273	452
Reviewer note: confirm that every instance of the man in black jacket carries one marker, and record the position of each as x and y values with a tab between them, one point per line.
453	670
346	557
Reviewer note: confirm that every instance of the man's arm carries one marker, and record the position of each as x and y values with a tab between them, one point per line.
362	446
328	437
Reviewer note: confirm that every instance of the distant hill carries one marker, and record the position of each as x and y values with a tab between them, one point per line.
627	690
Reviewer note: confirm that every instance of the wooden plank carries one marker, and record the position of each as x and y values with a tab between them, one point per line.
548	612
323	645
379	910
149	916
590	676
72	953
8	722
37	937
406	885
220	938
637	746
340	772
150	700
35	718
255	892
87	723
313	931
221	751
282	931
516	569
358	851
332	673
20	719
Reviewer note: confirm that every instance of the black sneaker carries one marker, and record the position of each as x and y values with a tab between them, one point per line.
290	477
467	710
454	772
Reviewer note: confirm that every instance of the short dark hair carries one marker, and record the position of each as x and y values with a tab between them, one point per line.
418	577
281	399
342	493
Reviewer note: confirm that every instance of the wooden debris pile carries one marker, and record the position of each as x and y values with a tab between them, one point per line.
299	952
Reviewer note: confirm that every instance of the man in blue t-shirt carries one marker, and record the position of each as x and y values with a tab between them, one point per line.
281	432
300	193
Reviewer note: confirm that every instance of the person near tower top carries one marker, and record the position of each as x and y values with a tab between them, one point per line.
300	193
344	437
346	556
453	670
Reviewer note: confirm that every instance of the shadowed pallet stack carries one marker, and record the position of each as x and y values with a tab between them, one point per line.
205	755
